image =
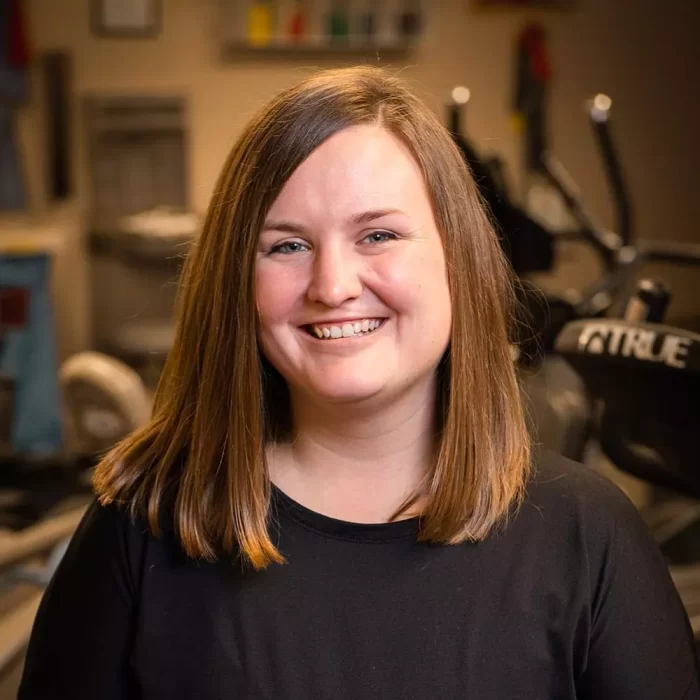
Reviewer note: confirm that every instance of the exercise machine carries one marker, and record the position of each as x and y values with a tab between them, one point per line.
528	244
532	247
648	417
559	409
28	560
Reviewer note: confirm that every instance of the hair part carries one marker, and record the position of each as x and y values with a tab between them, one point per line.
201	458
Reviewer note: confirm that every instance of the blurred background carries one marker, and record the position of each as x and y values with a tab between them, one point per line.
579	117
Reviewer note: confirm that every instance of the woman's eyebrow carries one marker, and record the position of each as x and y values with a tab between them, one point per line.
283	226
367	217
364	217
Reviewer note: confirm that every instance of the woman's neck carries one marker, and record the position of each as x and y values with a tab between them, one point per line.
357	462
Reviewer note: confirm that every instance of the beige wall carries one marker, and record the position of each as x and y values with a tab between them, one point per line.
636	50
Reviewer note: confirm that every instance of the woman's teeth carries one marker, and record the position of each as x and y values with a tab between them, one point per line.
347	330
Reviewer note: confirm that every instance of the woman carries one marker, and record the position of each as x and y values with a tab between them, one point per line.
336	496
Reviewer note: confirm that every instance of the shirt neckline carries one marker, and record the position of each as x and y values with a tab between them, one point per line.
343	529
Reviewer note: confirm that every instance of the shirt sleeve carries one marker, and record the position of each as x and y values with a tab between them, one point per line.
641	644
82	636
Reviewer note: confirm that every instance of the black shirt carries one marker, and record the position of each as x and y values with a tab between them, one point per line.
571	600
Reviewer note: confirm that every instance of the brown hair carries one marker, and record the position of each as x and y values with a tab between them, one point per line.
218	401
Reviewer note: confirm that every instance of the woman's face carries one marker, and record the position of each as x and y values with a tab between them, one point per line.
351	282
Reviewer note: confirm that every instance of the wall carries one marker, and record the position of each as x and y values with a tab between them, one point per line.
637	50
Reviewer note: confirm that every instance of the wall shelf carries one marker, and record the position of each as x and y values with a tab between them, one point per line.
398	28
320	48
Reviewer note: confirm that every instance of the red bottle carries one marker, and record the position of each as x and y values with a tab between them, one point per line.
297	25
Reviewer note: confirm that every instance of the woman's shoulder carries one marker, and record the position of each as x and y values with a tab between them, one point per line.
108	519
112	524
570	495
128	522
556	476
109	544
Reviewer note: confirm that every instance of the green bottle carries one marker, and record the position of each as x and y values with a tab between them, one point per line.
338	22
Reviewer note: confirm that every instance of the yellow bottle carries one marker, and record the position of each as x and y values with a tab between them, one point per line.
260	23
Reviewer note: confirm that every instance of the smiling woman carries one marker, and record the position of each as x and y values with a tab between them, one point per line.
343	268
336	496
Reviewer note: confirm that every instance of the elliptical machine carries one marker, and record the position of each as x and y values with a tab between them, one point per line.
642	379
638	379
532	247
648	418
560	409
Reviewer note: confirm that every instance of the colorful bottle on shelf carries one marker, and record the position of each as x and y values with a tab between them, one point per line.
338	22
260	23
410	20
369	21
298	22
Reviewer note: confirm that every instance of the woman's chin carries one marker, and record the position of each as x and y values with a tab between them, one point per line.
343	391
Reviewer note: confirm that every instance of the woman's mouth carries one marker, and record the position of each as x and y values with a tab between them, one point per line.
349	329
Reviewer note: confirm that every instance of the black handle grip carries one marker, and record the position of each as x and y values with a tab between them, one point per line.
454	119
457	107
606	244
649	303
600	121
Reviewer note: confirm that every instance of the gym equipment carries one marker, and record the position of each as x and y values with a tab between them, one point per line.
42	537
531	247
51	537
43	496
532	79
56	71
648	425
141	255
28	352
105	401
55	422
559	409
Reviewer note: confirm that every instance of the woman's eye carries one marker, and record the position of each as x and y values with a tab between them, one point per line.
379	237
289	247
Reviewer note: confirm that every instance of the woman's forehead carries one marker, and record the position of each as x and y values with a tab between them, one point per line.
360	168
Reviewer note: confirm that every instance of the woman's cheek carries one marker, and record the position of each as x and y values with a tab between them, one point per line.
403	281
277	291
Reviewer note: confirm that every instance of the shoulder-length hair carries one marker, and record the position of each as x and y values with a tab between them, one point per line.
219	402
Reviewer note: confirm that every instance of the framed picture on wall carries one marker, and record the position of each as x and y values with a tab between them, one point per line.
126	18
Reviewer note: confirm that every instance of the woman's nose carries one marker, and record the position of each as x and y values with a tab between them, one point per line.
335	278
